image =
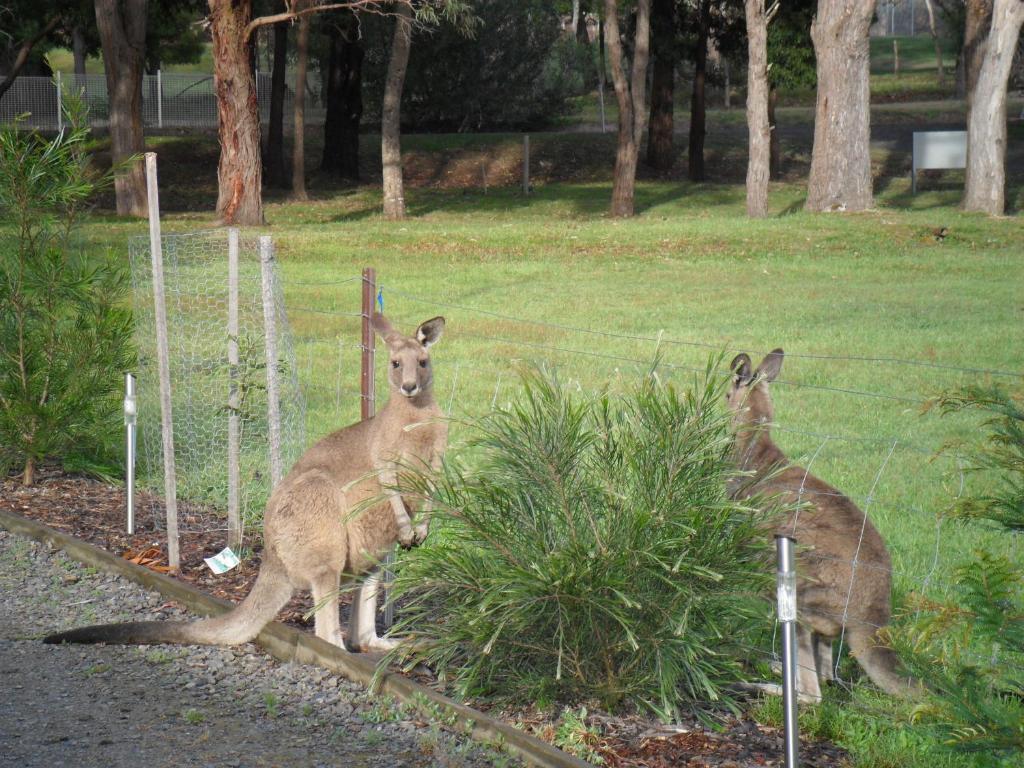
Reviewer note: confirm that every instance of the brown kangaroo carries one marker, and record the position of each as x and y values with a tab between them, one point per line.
313	531
844	570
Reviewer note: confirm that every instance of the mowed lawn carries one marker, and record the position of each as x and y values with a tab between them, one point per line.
686	281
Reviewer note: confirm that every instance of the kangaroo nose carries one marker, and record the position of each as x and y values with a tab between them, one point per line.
409	387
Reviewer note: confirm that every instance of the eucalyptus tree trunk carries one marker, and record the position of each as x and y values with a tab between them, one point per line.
344	100
840	178
239	171
986	126
976	27
299	137
78	50
391	115
274	158
758	126
660	149
631	98
698	112
122	28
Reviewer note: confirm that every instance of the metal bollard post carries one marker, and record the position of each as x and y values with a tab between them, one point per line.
130	417
786	598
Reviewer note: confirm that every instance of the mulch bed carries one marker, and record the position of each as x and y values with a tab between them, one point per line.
95	512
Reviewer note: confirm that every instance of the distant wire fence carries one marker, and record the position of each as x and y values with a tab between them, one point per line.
169	100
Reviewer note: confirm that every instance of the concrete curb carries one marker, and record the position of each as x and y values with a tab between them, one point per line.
288	644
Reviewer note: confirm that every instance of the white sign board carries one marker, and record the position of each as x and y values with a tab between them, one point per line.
937	150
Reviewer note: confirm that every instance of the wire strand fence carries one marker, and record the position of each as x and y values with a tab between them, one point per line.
321	339
169	100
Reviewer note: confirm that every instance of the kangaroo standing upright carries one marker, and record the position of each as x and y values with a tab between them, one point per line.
311	537
844	571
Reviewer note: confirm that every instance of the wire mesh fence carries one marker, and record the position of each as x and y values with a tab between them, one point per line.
169	100
197	301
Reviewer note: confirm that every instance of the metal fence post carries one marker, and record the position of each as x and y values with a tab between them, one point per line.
786	598
270	329
159	100
163	360
234	448
60	103
526	164
368	390
130	417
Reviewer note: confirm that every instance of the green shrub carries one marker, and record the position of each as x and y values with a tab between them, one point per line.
64	334
970	650
589	552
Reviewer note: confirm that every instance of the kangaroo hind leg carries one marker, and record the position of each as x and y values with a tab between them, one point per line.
880	663
362	628
324	586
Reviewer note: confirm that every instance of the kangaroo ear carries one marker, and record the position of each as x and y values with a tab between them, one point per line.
740	367
430	331
383	327
771	365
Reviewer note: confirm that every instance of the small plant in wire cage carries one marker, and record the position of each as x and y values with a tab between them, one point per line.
65	335
969	650
585	548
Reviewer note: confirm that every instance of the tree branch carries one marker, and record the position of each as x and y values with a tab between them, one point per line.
24	51
372	6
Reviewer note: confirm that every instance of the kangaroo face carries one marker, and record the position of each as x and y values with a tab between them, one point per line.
748	397
409	370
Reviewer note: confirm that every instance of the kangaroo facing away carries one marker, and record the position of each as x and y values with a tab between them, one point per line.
843	567
311	538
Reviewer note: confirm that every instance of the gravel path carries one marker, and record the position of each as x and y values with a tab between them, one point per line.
159	706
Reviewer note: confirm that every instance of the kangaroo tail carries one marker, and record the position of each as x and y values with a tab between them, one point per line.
881	664
239	625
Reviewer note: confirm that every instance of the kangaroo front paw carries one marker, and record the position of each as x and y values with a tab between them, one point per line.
407	538
420	533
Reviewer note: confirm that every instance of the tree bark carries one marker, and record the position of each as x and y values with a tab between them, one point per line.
631	97
239	172
122	29
580	27
935	41
391	115
78	50
840	176
344	101
774	146
274	159
986	127
698	120
758	124
977	24
660	149
299	136
22	58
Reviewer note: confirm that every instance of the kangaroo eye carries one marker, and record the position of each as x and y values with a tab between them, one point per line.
423	363
394	363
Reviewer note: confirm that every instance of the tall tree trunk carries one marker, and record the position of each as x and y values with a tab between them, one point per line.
935	41
78	50
23	51
274	158
239	172
758	124
344	100
698	121
986	127
122	28
581	28
299	137
977	24
774	147
841	159
631	97
660	148
391	115
575	21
